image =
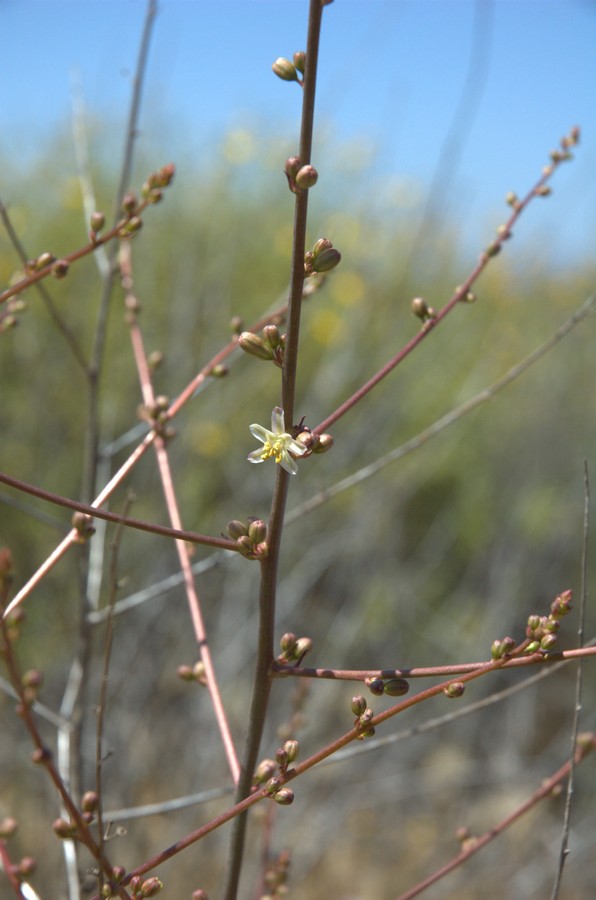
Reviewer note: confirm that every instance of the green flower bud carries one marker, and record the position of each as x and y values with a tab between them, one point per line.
284	69
303	646
299	60
327	260
396	687
271	336
151	887
548	642
284	796
321	244
254	345
511	199
236	529
288	642
129	202
307	177
97	220
358	704
265	770
291	748
454	690
257	531
419	308
131	227
45	259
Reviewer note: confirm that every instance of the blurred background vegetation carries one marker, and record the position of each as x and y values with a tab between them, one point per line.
424	564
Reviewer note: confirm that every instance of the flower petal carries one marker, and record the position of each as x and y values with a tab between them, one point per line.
256	456
288	464
260	433
296	447
277	420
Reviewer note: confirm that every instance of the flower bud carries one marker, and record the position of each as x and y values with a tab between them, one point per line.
307	177
264	771
129	202
257	531
288	642
236	529
321	244
327	260
284	69
281	758
271	336
303	646
90	801
284	796
358	704
26	867
511	199
454	690
254	345
32	679
131	227
151	887
237	325
324	443
60	268
45	259
63	829
40	756
396	687
375	686
548	642
299	60
97	220
419	308
291	748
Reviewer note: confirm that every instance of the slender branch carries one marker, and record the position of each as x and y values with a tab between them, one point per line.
578	691
167	481
262	674
474	844
287	671
459	295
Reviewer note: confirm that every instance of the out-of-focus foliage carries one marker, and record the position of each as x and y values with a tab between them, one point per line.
425	564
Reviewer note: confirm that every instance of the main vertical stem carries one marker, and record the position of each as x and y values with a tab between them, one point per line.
269	566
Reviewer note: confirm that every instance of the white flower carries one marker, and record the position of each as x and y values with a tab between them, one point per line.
277	443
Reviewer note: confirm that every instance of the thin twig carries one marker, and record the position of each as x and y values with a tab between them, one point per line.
564	852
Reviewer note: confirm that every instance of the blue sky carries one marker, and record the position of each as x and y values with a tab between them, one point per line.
391	77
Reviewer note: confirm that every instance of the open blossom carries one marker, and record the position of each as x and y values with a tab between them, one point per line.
277	443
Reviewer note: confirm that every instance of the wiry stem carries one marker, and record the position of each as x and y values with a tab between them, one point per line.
262	675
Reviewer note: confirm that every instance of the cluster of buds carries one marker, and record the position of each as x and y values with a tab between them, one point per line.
422	311
276	877
250	536
314	443
322	258
31	682
150	887
157	416
300	178
286	755
364	716
502	648
393	687
270	345
293	649
152	190
276	789
194	673
542	630
8	316
291	71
